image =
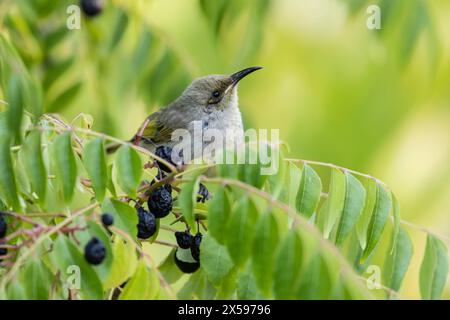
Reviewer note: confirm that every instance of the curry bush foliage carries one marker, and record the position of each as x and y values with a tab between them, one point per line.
294	235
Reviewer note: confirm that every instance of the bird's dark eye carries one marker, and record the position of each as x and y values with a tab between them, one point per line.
216	94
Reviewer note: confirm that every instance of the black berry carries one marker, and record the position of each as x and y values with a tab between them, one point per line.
3	226
165	153
184	239
185	262
3	252
160	202
94	251
203	193
168	187
195	246
91	8
107	219
146	225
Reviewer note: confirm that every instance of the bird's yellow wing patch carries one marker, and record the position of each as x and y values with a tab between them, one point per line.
157	132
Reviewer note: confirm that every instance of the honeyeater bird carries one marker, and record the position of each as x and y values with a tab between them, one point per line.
211	100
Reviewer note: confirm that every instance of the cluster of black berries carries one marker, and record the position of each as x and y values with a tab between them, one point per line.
95	251
187	256
160	204
91	8
3	230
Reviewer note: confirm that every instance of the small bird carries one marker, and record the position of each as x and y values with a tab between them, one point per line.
211	100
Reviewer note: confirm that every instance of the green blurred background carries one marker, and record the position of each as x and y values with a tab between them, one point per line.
376	101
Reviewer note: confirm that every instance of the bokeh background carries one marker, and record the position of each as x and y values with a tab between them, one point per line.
376	101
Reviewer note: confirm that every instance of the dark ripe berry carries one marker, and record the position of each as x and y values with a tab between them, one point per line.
3	252
185	262
146	225
168	187
94	251
91	8
3	226
195	246
160	202
203	193
164	152
184	239
107	219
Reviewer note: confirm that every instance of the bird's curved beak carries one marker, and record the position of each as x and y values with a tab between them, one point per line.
236	77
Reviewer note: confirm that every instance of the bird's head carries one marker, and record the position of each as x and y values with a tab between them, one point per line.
215	91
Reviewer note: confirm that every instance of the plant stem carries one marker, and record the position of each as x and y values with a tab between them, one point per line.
9	276
166	243
330	165
168	228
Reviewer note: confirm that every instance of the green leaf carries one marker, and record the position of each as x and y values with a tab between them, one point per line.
120	27
380	214
353	206
194	287
317	280
125	217
15	291
398	259
34	164
110	183
227	288
15	96
362	225
124	263
144	285
94	159
288	264
250	171
155	235
246	286
65	256
294	178
37	280
335	202
397	219
129	169
187	200
227	167
64	98
277	181
8	187
415	23
214	259
264	248
308	195
219	211
240	231
57	70
434	269
356	5
169	269
66	167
